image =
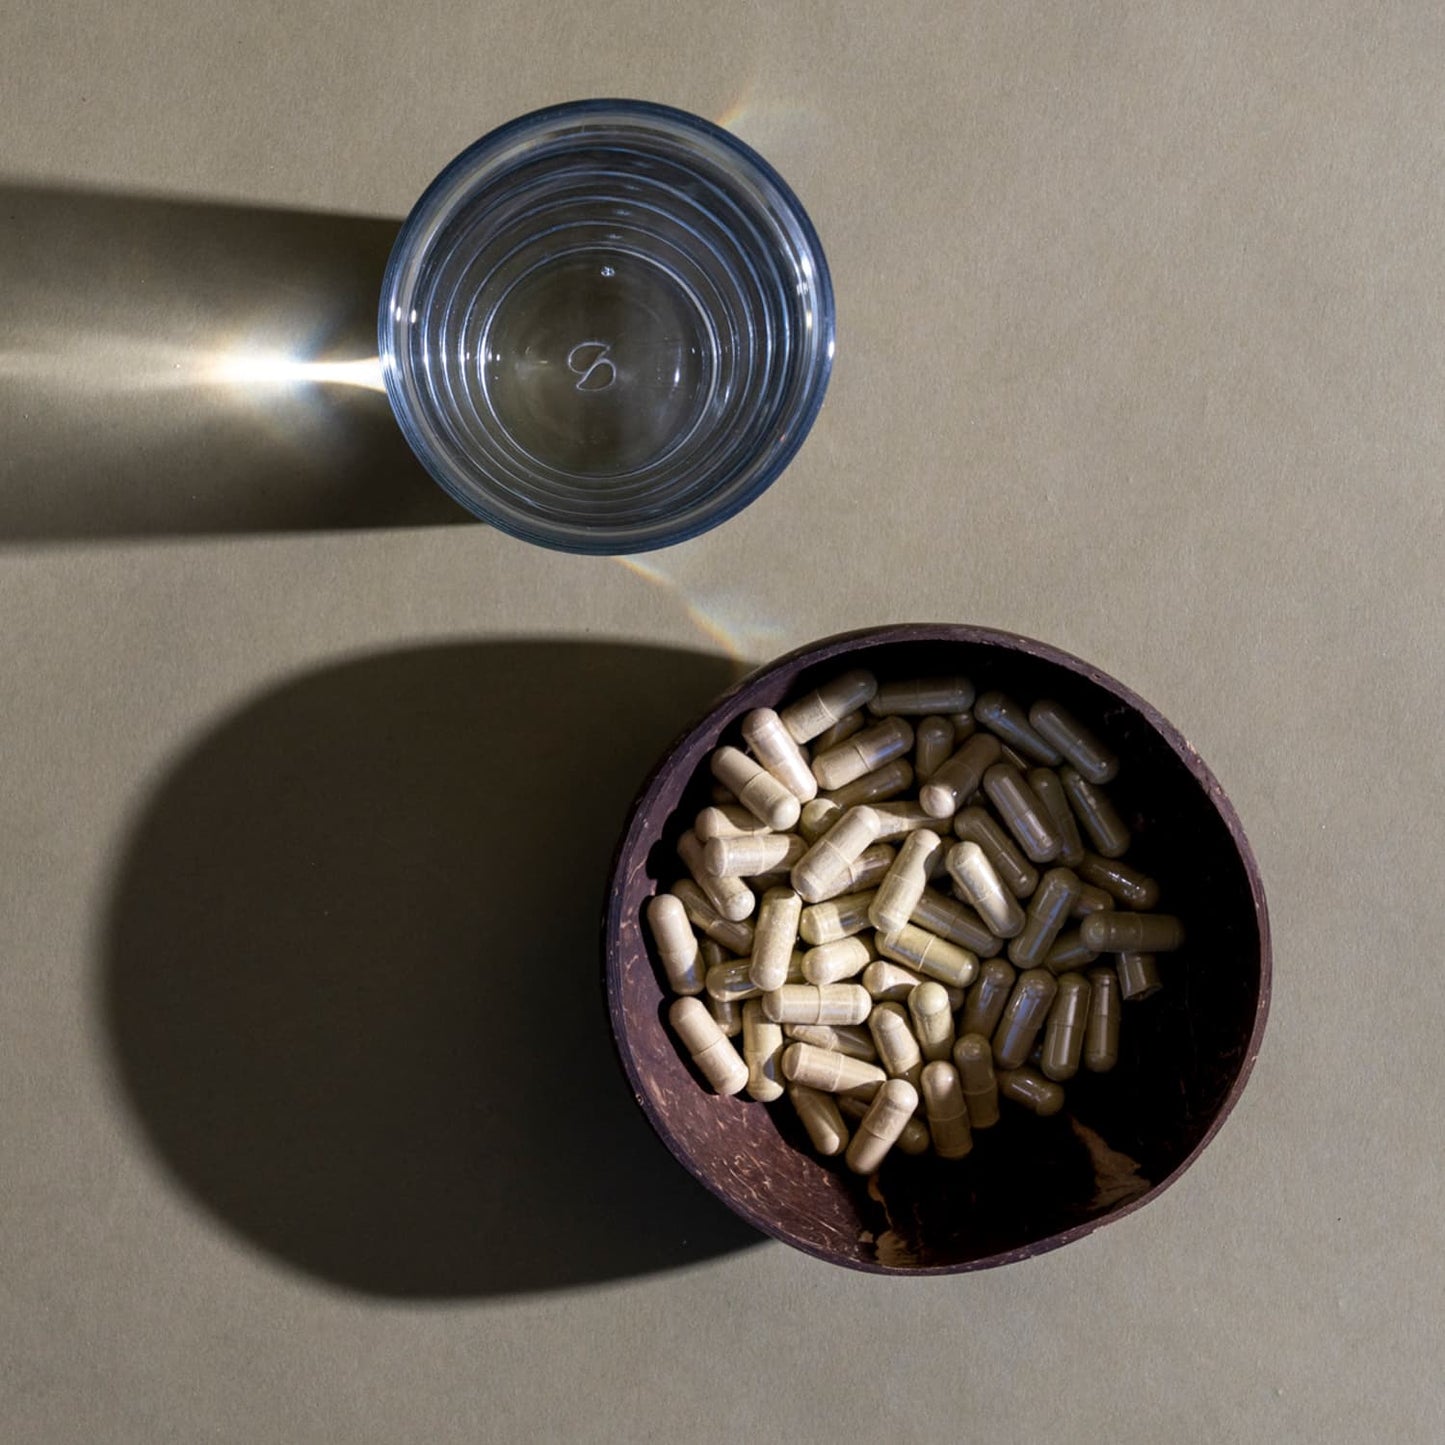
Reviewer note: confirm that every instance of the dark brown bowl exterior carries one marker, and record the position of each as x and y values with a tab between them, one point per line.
1029	1185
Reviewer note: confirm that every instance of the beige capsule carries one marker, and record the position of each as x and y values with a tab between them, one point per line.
956	922
731	820
1021	811
1091	900
932	1016
1069	951
752	857
820	1116
1101	1031
732	982
830	1071
878	786
826	859
806	1003
851	1039
898	1049
897	820
1015	872
986	1000
929	954
726	1013
1071	738
836	918
732	898
947	1112
1030	1089
756	788
709	1047
820	709
932	746
845	727
734	935
878	1130
775	936
676	944
862	875
862	753
974	877
1138	975
957	779
913	1140
762	1053
1023	1016
1064	1032
902	885
817	817
1005	718
889	982
1125	884
1048	911
973	1058
1050	792
918	695
1097	816
774	748
1115	932
833	962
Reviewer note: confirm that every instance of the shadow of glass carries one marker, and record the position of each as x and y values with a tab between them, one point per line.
163	372
353	980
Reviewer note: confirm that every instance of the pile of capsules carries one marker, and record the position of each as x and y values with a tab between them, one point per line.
809	926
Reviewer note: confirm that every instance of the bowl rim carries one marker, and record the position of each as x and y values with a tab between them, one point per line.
810	654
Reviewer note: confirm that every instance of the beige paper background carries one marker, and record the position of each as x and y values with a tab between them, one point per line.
1140	351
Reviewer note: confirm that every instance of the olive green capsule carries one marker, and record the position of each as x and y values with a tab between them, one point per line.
762	1052
932	746
851	1039
731	820
817	817
1064	1032
902	885
862	753
1115	932
730	896
709	1047
1069	951
876	787
676	944
918	695
897	820
775	936
829	704
774	748
1120	881
943	1103
835	918
1016	873
1050	792
830	856
974	877
734	935
888	982
956	922
957	779
1004	717
833	962
929	954
973	1058
1087	754
820	1117
929	1008
1138	976
1048	911
898	1049
732	982
1022	812
807	1003
985	1002
832	1072
1101	1032
1031	1090
862	875
756	789
1091	900
751	857
844	728
1096	814
913	1140
1023	1016
879	1128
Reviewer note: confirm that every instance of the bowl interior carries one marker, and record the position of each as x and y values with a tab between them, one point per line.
1029	1184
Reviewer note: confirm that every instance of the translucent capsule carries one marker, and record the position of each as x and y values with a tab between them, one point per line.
1091	900
845	727
676	944
898	1049
1101	1031
730	820
1050	792
1048	911
943	1103
1023	1016
1004	717
879	1128
964	725
897	820
833	852
1022	812
984	1005
929	954
836	918
737	936
714	1056
1138	976
889	982
956	922
913	1140
1015	872
862	875
732	982
851	1039
773	746
832	1072
878	786
973	1058
1096	814
974	877
902	885
752	857
932	746
762	1053
833	962
1119	880
862	753
932	1016
1066	733
726	1013
957	780
1069	951
1064	1032
918	695
732	898
820	709
756	788
806	1003
1115	932
819	1115
817	817
775	936
1031	1090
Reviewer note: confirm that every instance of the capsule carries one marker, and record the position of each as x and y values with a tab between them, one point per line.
932	746
1022	812
820	709
819	1114
984	1005
734	935
898	1049
817	817
863	752
836	918
722	797
732	898
919	695
774	748
897	820
1023	1016
714	1056
757	789
913	1140
876	787
1096	814
1004	717
928	1007
1120	881
973	1058
1116	932
956	922
806	1003
775	936
975	879
732	982
730	820
845	727
851	1039
947	1112
958	779
1031	1090
832	1072
1015	872
879	1128
762	1052
929	954
1048	911
726	1013
889	982
903	884
750	857
1064	1032
862	875
964	725
1069	951
1138	976
833	962
1101	1032
1071	738
676	944
1050	792
833	852
1091	900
